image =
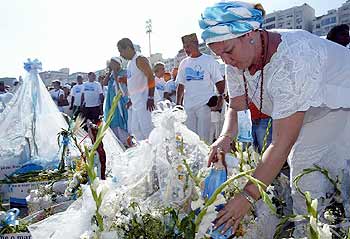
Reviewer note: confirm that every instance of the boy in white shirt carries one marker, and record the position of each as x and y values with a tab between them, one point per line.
159	70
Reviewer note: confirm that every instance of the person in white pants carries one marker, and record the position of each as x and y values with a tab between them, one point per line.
141	84
197	75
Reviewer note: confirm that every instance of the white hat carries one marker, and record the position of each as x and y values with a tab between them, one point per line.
67	86
117	59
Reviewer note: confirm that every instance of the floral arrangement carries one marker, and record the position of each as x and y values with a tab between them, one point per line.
160	191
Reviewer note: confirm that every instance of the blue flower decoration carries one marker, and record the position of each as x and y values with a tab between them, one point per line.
32	65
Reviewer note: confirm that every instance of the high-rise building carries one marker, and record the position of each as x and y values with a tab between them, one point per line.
299	17
322	24
344	13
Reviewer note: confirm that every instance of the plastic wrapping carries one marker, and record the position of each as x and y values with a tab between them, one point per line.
152	173
244	126
155	170
30	123
69	224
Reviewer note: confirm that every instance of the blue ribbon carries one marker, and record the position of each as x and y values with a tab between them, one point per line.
32	65
10	218
65	140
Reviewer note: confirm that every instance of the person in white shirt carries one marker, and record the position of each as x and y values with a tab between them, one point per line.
68	99
57	94
92	99
196	78
159	71
76	96
302	82
141	85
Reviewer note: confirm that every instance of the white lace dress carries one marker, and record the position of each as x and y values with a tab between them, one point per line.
309	74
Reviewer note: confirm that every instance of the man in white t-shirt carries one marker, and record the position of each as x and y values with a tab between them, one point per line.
159	71
57	94
92	99
141	85
197	76
76	96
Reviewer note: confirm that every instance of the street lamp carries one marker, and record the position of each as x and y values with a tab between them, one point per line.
148	31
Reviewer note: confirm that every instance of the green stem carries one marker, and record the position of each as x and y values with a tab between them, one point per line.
91	154
213	197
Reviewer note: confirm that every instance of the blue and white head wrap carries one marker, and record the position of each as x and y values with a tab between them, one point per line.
227	20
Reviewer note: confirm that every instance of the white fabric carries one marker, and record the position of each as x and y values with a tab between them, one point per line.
170	87
199	76
137	85
160	86
92	91
29	126
306	71
323	141
5	98
141	123
199	121
55	94
76	93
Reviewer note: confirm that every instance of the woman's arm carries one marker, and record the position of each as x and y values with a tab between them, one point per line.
284	134
229	129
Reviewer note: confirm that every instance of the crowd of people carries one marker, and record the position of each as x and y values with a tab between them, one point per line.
292	80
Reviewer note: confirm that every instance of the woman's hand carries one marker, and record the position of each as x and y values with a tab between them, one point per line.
223	143
232	213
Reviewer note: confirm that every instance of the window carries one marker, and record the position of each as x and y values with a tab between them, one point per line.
318	26
271	19
270	26
328	21
298	20
299	27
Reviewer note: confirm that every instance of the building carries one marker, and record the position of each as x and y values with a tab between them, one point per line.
299	17
322	24
344	13
48	76
73	77
203	48
9	81
156	57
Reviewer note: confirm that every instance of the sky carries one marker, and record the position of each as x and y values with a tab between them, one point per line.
82	34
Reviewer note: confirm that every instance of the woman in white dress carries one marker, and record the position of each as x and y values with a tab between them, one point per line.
299	79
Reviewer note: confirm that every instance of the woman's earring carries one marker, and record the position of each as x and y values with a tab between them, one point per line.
252	41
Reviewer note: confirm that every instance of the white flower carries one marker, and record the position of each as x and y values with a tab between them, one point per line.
220	199
329	216
102	188
325	232
86	235
206	223
246	167
197	204
95	184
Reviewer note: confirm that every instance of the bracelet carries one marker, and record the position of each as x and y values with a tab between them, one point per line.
225	135
249	198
